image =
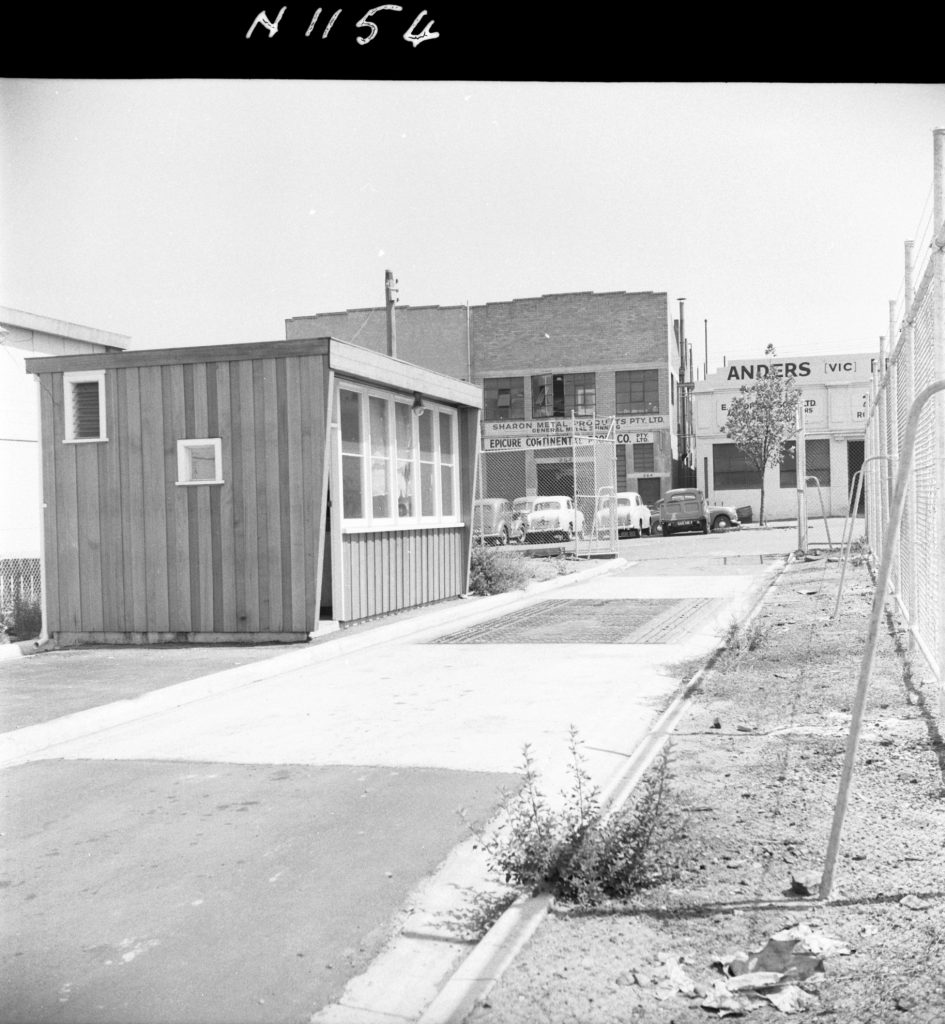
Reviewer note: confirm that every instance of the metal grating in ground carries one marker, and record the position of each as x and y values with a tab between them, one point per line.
590	621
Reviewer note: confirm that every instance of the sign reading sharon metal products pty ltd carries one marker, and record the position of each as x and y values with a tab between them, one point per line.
559	427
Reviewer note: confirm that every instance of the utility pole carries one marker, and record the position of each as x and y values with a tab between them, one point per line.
683	442
390	296
705	374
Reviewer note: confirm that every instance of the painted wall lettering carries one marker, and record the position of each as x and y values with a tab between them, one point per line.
758	371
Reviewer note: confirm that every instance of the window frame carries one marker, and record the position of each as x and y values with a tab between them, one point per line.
644	457
70	378
368	521
749	477
647	381
787	470
493	391
568	393
184	445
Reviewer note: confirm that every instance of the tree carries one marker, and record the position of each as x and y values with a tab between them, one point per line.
762	417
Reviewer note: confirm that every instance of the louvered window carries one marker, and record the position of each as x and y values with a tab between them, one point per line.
84	410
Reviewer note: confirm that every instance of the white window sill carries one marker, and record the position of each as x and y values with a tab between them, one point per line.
198	483
84	440
397	527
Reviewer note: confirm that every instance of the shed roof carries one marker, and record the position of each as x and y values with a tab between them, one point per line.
345	359
62	328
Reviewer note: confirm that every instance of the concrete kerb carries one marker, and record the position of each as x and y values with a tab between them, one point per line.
497	950
22	744
20	649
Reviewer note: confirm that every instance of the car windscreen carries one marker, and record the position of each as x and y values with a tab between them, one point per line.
541	505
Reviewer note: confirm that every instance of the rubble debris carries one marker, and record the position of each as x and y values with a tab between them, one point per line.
805	883
775	974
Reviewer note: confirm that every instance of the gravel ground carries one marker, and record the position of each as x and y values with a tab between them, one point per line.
757	761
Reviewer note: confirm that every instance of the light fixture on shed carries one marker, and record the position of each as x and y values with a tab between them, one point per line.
418	407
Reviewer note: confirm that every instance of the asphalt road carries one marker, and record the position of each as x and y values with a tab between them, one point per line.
177	892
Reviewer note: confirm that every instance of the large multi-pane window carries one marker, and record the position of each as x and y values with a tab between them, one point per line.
503	398
561	394
398	468
731	470
817	453
643	458
637	392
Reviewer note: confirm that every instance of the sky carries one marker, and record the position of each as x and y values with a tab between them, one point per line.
203	211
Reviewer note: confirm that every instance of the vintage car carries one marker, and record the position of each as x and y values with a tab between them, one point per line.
630	514
552	517
492	521
685	508
723	517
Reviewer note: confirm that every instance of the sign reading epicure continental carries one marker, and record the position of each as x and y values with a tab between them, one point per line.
563	427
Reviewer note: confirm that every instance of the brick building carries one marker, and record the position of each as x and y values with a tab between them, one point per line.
540	362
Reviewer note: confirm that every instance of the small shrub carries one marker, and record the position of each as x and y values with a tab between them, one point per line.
741	639
23	620
491	572
580	853
859	551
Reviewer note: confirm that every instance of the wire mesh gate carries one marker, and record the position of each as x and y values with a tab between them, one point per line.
557	486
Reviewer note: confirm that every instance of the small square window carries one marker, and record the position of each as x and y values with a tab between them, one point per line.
199	461
84	399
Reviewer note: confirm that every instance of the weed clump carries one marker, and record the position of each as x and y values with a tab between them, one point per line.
493	573
580	853
741	639
22	619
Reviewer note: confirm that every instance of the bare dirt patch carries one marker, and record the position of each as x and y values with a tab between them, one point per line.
757	760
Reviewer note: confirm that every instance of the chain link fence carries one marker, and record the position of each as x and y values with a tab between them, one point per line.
541	489
20	584
914	361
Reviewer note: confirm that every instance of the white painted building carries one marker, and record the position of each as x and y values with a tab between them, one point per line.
22	336
835	392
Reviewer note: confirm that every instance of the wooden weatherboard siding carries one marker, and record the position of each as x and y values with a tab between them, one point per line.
392	570
131	555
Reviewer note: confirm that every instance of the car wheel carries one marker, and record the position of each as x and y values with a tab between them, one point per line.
504	536
569	535
705	525
649	531
721	523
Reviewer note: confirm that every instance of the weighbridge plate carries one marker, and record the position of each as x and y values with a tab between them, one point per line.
592	621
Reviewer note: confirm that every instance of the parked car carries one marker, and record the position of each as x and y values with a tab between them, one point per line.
632	515
683	508
723	517
548	516
492	521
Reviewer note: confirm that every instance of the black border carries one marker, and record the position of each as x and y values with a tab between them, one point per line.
486	41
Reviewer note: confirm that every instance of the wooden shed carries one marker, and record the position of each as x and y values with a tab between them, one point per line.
240	493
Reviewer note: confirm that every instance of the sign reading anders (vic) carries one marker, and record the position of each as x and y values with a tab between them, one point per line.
828	369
